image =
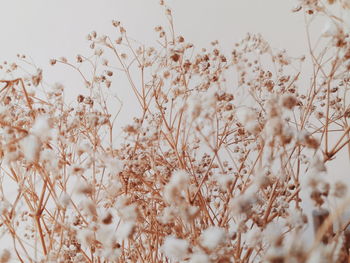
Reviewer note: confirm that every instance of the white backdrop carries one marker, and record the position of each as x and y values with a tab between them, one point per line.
43	29
48	28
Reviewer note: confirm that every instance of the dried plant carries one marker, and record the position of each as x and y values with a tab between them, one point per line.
215	168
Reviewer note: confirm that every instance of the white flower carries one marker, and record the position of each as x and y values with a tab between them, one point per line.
175	248
248	118
212	237
113	188
86	237
48	155
330	29
275	254
178	182
167	215
273	127
64	200
199	258
3	110
179	178
127	212
111	254
244	202
224	180
41	127
113	165
30	147
322	254
273	232
89	207
83	188
317	165
254	236
125	230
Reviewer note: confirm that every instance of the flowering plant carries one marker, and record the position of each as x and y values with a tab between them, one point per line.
216	167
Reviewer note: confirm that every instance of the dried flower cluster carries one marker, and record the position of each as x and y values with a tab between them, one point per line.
216	168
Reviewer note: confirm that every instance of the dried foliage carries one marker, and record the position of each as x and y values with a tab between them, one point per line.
215	168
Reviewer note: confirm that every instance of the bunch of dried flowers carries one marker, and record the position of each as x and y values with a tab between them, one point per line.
214	169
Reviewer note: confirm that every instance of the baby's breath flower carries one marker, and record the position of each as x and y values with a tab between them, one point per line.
213	237
175	248
199	258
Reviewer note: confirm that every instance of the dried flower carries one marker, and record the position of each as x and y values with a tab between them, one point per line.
212	237
5	256
175	248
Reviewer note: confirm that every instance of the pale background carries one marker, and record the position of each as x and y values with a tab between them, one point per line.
43	29
48	28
